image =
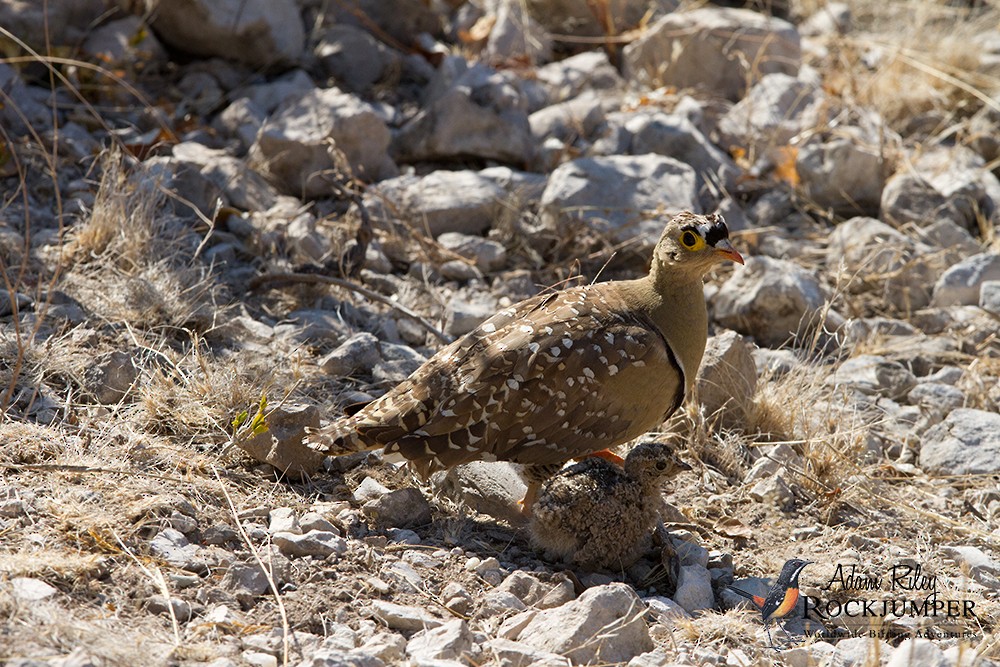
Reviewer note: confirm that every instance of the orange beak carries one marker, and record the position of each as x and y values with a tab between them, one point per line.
724	248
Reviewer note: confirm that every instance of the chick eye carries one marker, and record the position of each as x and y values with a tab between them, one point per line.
692	241
662	465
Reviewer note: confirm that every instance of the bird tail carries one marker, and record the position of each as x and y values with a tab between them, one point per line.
339	438
756	599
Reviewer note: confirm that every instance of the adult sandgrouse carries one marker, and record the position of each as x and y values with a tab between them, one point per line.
555	377
597	514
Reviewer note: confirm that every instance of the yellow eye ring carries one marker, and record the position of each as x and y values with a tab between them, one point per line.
691	241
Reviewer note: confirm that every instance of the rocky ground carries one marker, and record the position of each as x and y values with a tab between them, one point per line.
207	204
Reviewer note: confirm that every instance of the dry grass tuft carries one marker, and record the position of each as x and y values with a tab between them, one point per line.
199	395
914	58
133	261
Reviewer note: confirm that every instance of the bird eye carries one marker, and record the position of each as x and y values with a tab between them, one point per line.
661	465
692	241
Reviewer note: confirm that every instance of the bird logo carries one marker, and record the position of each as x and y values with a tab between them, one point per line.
781	598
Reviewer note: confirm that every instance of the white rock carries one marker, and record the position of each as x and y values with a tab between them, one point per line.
586	71
776	109
772	300
613	612
936	396
257	659
533	592
694	589
172	546
966	442
616	194
369	489
830	18
234	181
124	39
402	617
317	543
492	488
399	509
517	36
487	254
516	654
989	297
283	520
471	111
719	50
450	641
359	352
282	444
354	57
678	137
387	646
843	174
442	201
918	651
567	121
807	656
304	137
727	379
463	316
28	589
961	284
773	489
873	374
981	566
665	610
225	27
269	95
859	651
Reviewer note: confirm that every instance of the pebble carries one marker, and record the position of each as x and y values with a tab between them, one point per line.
314	543
613	610
401	508
402	617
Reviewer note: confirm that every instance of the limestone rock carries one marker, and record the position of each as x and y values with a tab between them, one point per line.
442	201
320	132
727	379
623	196
772	300
966	442
281	444
961	284
612	611
472	111
718	50
224	27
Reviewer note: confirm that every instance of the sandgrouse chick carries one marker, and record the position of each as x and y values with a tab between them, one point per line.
597	514
555	377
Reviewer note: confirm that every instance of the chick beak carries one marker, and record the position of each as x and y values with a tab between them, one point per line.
724	248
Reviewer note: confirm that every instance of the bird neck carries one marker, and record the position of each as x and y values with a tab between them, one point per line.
676	305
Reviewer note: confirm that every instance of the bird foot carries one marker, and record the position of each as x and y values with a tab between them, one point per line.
526	503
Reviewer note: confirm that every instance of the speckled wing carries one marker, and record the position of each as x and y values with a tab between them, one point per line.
549	380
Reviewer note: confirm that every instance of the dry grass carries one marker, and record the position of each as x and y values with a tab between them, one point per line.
906	59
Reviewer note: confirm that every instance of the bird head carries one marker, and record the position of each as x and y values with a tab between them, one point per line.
693	244
650	461
791	570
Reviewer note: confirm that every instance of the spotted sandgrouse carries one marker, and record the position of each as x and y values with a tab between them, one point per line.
597	514
557	376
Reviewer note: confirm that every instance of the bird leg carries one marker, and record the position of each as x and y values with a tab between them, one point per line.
535	474
770	641
529	498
